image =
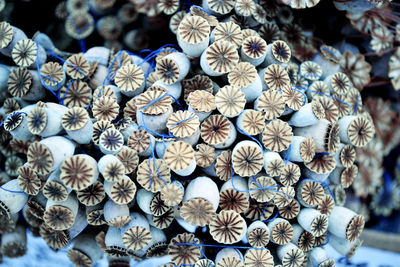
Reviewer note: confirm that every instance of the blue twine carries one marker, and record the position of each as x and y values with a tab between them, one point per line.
358	100
323	184
12	191
217	246
65	94
10	116
287	154
265	208
251	137
41	75
238	252
327	240
179	122
154	53
304	95
331	96
202	253
273	218
82	45
321	154
202	9
64	61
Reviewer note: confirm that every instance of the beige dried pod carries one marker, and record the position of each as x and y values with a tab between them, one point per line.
273	163
322	164
92	195
276	77
219	58
55	191
258	210
205	155
258	258
169	7
294	99
223	168
202	103
229	32
282	197
28	180
99	127
247	158
262	188
77	66
173	68
345	155
245	77
344	176
290	210
111	141
171	194
61	215
183	254
342	106
331	110
197	211
218	8
105	108
310	70
153	182
157	206
145	102
356	130
230	261
228	227
142	142
290	174
79	171
25	84
165	220
179	157
245	7
313	221
277	135
183	124
326	205
338	83
216	129
231	199
281	231
25	52
309	193
129	159
345	223
290	255
196	11
318	88
53	75
258	234
7	34
79	25
121	191
176	19
193	34
253	49
251	121
54	239
271	103
230	101
198	82
130	79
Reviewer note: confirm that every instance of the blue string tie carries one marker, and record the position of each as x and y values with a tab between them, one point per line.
12	115
12	191
41	75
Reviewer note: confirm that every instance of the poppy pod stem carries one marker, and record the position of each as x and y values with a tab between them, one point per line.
345	223
202	187
319	257
12	198
343	246
59	147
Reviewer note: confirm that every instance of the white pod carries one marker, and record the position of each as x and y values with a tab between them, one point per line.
309	217
285	253
254	90
192	139
60	149
340	219
36	90
105	160
144	65
337	155
231	138
245	143
269	156
157	123
143	199
161	145
294	152
344	246
228	252
263	83
183	63
316	131
18	35
113	210
304	116
205	66
86	243
198	45
83	135
54	114
202	115
297	231
22	132
79	224
202	187
335	175
113	238
328	67
98	53
272	224
306	172
174	89
187	226
319	257
99	76
239	183
13	201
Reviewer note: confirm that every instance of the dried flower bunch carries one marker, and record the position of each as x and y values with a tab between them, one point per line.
248	129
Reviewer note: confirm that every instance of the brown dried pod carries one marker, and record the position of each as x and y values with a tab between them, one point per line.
6	33
74	119
290	210
276	77
195	11
105	108
193	30
230	261
157	250
221	58
157	205
221	7
130	79
183	123
294	99
231	199
281	51
123	190
258	258
306	241
156	183
277	135
274	167
96	217
245	7
347	155
254	47
24	52
179	156
198	84
136	238
99	127
171	194
165	220
205	155
215	129
267	193
79	25
77	66
78	171
139	141
183	254
229	32
281	231
230	101
326	205
258	210
145	102
227	227
129	158
283	196
331	110
52	73
28	180
40	158
339	83
310	70
322	164
37	120
310	193
197	211
243	75
318	88
223	166
19	82
356	130
252	121
269	32
55	191
76	94
59	217
271	103
290	174
247	158
356	68
353	98
54	239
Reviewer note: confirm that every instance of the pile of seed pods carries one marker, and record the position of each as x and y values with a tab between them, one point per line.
232	147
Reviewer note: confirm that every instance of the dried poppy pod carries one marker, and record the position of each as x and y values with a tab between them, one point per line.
338	83
79	25
320	167
281	231
183	254
258	234
271	104
319	257
228	32
122	191
130	79
85	251
129	159
309	193
245	77
142	142
111	141
310	70
109	27
10	36
47	155
218	131
169	7
108	90
247	158
278	53
11	203
91	195
234	195
79	171
113	243
345	155
26	52
313	221
218	8
274	77
95	215
144	198
324	134
245	7
76	93
302	149
153	174
308	114
202	187
326	205
78	125
174	89
12	164
251	121
219	58
111	168
105	108
175	21
153	110
229	257
258	258
277	135
14	244
61	215
302	239
179	156
197	211
230	101
343	246
198	83
202	263
253	50
26	84
345	224
317	88
228	227
172	194
28	180
54	239
273	163
52	75
331	109
136	234
290	255
283	195
205	155
116	215
193	35
328	59
77	66
356	130
290	174
262	188
173	68
201	103
344	176
46	121
185	126
54	189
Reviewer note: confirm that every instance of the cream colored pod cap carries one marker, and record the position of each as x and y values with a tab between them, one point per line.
179	156
193	35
